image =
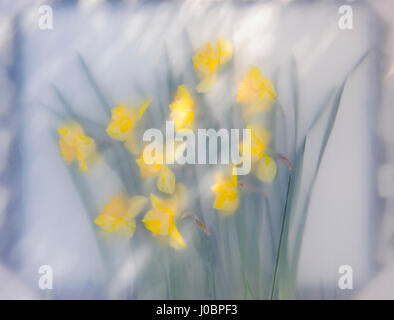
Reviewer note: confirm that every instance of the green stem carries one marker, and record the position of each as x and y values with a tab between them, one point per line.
280	239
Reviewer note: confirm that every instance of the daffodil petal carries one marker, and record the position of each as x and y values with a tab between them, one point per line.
107	223
266	170
151	222
226	199
182	109
74	144
141	111
150	169
122	121
206	60
158	222
166	181
85	147
228	207
176	240
69	152
163	205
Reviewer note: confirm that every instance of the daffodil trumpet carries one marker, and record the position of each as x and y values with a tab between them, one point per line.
208	59
119	214
124	120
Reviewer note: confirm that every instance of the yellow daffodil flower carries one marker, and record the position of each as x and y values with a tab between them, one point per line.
160	220
256	92
182	109
152	166
226	194
207	60
123	122
75	145
265	168
119	214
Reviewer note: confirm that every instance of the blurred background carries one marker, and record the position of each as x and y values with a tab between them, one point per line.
42	221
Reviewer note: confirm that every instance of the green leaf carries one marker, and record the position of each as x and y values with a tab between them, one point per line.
278	253
93	83
326	133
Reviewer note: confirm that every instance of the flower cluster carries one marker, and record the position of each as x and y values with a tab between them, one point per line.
255	94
